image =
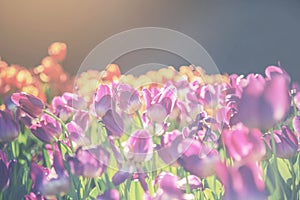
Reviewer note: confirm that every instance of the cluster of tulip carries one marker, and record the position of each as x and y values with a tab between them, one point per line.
166	134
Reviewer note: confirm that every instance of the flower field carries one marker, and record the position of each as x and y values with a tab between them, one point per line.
166	134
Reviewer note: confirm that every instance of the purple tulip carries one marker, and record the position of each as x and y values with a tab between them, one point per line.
47	129
139	146
243	144
33	196
161	105
128	98
168	148
77	135
242	182
90	162
193	181
264	101
102	100
120	177
64	106
112	194
296	125
9	127
196	158
43	181
5	170
168	187
30	104
286	142
82	118
113	123
297	100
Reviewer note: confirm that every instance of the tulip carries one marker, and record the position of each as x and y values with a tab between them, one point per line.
161	105
47	129
44	183
286	142
139	146
64	106
77	135
168	187
33	196
265	101
90	162
197	158
112	194
296	125
102	100
168	148
9	127
82	118
297	100
30	104
128	98
113	123
5	170
242	182
193	182
243	143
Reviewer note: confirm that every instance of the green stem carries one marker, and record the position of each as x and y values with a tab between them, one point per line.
188	189
275	167
63	126
294	190
140	119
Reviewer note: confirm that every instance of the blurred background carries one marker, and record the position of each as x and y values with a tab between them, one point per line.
241	37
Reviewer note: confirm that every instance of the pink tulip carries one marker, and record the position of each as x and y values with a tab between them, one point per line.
242	182
91	162
127	98
243	144
264	101
286	142
102	100
139	146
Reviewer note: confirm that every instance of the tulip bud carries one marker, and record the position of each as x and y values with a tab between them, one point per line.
9	127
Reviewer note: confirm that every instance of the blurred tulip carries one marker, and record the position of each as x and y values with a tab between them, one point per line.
139	146
91	162
196	158
286	142
128	98
5	170
193	182
264	102
43	181
168	148
9	127
112	194
296	125
102	100
168	187
161	105
30	104
243	144
77	135
242	182
47	129
113	123
33	196
82	118
57	50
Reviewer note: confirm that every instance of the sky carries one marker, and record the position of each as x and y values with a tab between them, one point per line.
240	36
